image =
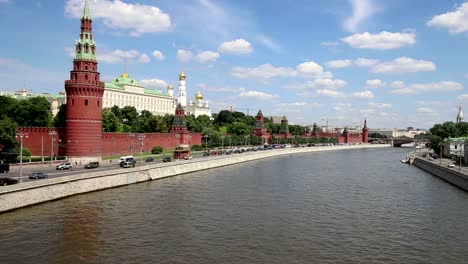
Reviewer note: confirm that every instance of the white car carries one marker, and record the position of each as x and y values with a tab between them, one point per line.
187	157
64	166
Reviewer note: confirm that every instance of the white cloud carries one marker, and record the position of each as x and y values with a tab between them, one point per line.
456	22
4	1
319	84
380	105
120	56
431	103
264	71
154	83
380	41
330	93
269	43
341	107
137	18
376	83
362	9
425	110
238	46
158	55
404	65
184	56
444	86
258	95
363	62
339	63
207	56
397	84
363	95
313	69
463	97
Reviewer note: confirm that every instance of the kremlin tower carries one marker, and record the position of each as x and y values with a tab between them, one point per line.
84	98
365	132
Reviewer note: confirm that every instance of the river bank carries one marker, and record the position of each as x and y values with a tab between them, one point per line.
30	193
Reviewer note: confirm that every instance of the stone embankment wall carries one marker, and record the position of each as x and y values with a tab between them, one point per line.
451	175
34	192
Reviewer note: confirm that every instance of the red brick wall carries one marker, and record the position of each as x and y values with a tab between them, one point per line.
39	141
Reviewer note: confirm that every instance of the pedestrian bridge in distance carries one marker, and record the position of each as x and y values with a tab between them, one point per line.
397	142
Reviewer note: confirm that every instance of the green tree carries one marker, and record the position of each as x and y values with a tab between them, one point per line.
61	117
110	123
8	130
157	150
129	115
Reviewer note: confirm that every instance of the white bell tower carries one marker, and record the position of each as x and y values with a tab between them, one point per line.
182	98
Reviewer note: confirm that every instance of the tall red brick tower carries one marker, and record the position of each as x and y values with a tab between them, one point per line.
259	129
365	132
84	98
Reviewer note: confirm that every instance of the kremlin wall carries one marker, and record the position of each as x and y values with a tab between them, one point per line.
83	139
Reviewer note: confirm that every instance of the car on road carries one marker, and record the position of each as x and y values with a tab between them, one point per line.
64	166
166	159
38	175
7	181
130	160
128	164
92	165
4	167
187	157
149	159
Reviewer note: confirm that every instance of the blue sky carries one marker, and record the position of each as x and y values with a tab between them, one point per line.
399	63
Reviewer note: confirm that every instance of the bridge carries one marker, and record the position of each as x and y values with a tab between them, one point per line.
396	142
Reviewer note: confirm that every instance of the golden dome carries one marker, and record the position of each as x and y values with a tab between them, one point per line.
124	75
182	76
199	95
170	87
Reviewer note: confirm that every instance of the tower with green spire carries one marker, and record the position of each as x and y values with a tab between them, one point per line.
284	128
84	98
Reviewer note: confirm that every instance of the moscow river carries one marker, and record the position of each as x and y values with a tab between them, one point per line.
354	206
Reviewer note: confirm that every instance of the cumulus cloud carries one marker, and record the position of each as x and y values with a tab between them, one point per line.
363	95
238	46
319	84
158	55
258	95
444	86
207	56
456	21
339	63
184	56
463	97
404	65
120	56
376	83
330	93
362	9
138	19
266	72
380	41
154	83
363	62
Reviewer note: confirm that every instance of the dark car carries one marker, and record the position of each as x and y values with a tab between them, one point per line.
92	165
149	159
128	160
4	167
38	175
166	159
206	154
7	181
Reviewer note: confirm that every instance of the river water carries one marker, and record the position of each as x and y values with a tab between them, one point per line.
354	206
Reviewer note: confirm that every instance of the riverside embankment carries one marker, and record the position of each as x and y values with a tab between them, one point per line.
30	193
454	175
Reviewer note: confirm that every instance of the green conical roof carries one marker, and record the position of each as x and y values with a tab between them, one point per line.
86	13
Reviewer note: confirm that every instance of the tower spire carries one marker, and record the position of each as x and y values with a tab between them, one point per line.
86	12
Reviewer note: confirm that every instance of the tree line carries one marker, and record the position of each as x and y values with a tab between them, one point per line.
440	132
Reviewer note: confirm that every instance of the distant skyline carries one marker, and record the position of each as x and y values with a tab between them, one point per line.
399	63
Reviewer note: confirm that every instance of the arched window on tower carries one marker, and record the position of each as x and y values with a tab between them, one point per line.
78	48
93	49
98	103
86	77
86	48
86	68
86	102
73	101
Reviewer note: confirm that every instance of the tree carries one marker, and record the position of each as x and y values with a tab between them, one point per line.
157	150
110	123
129	115
8	130
239	128
61	117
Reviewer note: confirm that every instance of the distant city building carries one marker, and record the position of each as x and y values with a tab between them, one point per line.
199	106
275	119
460	115
396	133
55	100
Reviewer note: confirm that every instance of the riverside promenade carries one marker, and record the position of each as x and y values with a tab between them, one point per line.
34	192
454	174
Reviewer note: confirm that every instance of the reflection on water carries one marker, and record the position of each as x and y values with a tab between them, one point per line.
359	206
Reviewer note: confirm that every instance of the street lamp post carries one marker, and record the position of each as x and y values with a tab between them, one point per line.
21	135
131	136
222	142
141	138
206	141
441	144
52	135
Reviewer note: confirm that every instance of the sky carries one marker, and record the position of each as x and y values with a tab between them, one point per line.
395	63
